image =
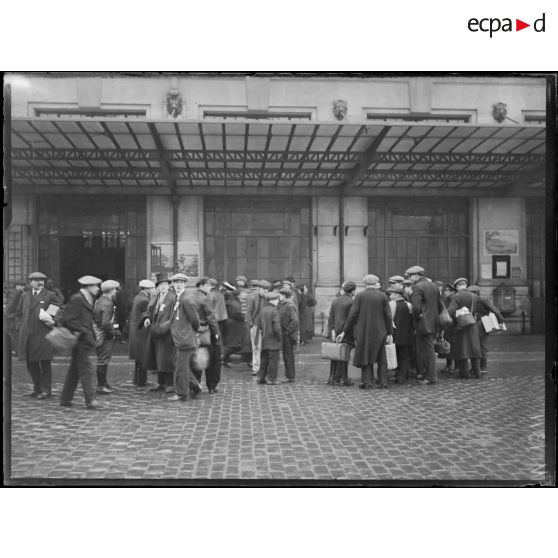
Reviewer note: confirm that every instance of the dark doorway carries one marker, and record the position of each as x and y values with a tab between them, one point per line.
87	256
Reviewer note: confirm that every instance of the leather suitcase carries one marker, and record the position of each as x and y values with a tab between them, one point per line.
336	351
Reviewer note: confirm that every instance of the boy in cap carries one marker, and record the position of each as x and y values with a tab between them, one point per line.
78	318
34	323
137	333
401	310
104	318
256	301
289	332
269	324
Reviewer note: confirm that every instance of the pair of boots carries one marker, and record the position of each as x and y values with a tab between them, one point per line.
339	375
102	383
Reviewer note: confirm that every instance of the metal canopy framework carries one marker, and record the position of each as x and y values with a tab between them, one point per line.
213	157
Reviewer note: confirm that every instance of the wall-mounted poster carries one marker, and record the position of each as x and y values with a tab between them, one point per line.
187	261
501	243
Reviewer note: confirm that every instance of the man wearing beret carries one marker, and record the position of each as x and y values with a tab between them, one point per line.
427	305
78	318
107	331
270	327
370	320
184	326
288	317
138	333
340	308
35	321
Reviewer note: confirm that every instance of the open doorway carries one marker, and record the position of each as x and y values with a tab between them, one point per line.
87	256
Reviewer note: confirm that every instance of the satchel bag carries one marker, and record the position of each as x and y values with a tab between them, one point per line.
204	336
444	319
62	340
490	323
391	356
466	318
442	347
336	351
200	359
158	331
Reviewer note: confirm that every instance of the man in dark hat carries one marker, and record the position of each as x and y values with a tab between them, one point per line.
288	317
256	301
427	305
78	318
35	314
161	352
270	327
340	308
208	322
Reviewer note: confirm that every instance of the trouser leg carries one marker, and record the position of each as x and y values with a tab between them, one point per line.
71	380
382	368
141	373
483	338
161	379
183	373
475	365
46	376
168	378
366	376
86	374
288	357
402	373
34	369
273	365
463	368
427	355
264	365
333	368
343	372
213	372
256	348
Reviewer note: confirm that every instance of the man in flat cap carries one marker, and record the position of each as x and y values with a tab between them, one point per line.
11	311
427	305
78	318
161	352
107	331
402	313
34	314
138	333
338	314
208	322
370	320
184	326
256	301
288	316
270	326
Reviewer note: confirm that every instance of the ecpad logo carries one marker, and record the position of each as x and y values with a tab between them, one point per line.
494	24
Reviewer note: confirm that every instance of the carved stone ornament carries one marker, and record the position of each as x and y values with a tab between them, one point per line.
340	109
174	104
499	112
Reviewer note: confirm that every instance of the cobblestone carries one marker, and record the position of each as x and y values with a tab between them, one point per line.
490	429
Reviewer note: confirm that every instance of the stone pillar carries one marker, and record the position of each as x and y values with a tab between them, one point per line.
356	244
507	214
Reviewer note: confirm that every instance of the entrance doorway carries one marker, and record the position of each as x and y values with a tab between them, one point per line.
81	256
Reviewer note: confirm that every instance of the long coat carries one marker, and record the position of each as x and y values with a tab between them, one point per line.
270	325
137	333
338	314
466	342
236	334
32	344
427	304
370	321
306	303
160	352
78	317
288	317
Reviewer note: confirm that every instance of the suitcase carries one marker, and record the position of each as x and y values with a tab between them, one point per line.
336	351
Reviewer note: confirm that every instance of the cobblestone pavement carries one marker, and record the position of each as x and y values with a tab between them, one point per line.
489	429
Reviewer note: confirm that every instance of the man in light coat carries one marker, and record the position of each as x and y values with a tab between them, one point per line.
372	326
34	323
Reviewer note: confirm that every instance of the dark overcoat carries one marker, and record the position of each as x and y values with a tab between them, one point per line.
137	333
160	352
427	304
338	314
370	322
78	317
306	303
288	317
236	334
466	342
184	323
269	324
32	344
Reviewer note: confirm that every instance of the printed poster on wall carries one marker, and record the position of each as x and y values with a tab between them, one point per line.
501	242
187	262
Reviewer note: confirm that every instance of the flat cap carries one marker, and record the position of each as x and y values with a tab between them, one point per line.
288	283
271	295
396	279
203	281
460	280
265	284
370	279
287	291
146	284
241	278
254	283
179	277
407	283
396	289
88	280
228	286
277	284
109	285
415	269
349	286
474	289
36	275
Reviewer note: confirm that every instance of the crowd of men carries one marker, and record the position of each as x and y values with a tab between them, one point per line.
179	334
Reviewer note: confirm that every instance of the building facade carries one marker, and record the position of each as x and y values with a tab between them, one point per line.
322	178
